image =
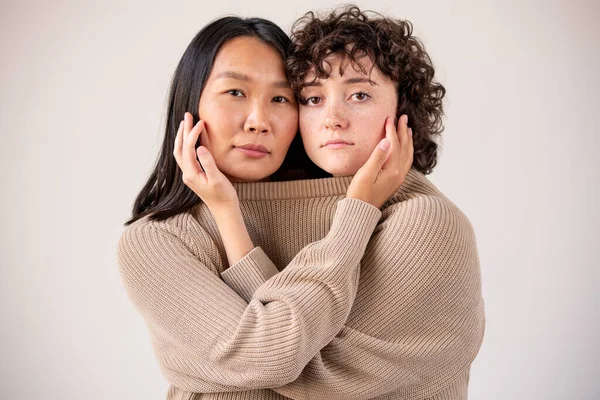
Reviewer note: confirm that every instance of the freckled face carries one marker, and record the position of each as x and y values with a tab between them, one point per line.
249	110
342	118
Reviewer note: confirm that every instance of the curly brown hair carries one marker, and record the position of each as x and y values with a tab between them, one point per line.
392	48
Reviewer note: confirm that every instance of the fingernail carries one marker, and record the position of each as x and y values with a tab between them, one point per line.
201	150
405	119
410	131
384	145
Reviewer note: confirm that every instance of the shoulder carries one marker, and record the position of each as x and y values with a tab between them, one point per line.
426	215
422	229
146	237
422	208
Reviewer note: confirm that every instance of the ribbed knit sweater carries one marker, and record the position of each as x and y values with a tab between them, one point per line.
338	300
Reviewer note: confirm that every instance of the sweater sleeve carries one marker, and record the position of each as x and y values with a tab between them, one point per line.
417	321
251	271
208	339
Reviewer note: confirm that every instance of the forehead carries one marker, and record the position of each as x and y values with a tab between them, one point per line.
250	56
337	66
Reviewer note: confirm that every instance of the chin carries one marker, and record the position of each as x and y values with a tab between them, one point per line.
250	175
338	163
338	170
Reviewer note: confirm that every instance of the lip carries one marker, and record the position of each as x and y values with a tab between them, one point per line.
337	144
253	150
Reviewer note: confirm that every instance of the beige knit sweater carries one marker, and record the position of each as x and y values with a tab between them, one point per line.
409	328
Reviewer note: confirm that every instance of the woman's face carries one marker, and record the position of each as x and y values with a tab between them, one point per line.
342	118
249	110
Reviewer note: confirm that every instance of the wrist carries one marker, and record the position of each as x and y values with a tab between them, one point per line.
234	234
226	211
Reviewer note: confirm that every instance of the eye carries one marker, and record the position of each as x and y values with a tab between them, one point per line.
280	99
360	96
235	93
312	101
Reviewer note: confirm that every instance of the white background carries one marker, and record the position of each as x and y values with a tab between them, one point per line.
82	102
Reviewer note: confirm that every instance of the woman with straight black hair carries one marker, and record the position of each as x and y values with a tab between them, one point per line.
165	194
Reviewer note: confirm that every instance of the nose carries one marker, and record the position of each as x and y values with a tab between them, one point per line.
258	119
335	117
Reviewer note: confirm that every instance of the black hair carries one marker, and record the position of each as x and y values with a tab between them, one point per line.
165	194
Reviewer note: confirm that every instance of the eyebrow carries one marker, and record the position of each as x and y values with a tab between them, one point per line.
359	80
245	78
234	75
348	81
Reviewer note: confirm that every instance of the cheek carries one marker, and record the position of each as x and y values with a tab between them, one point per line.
308	123
285	127
220	123
309	137
289	121
307	116
371	123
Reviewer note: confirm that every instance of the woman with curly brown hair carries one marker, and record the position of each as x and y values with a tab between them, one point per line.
416	320
371	44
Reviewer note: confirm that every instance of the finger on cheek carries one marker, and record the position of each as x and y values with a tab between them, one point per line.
389	127
402	123
198	134
187	122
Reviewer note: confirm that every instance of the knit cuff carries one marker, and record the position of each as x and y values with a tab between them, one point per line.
354	222
246	275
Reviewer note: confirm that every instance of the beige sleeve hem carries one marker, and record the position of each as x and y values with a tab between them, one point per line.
246	275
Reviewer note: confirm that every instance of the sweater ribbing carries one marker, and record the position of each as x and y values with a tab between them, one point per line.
412	331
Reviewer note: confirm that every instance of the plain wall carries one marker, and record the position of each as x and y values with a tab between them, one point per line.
82	105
